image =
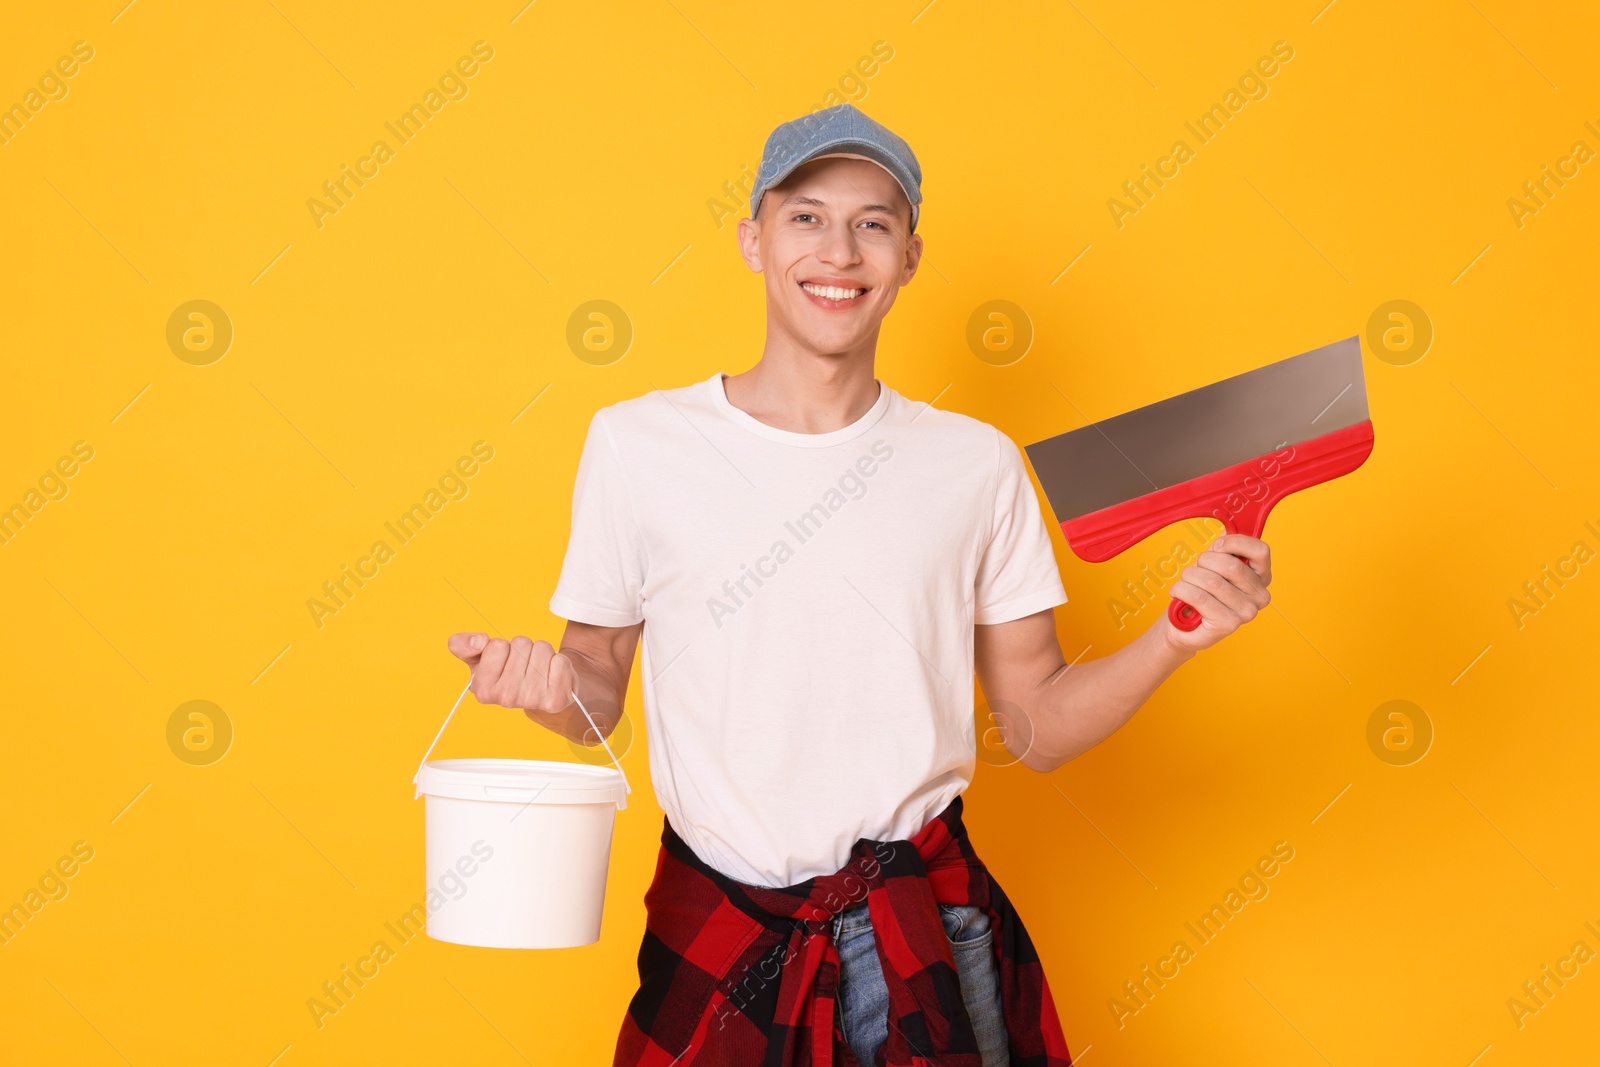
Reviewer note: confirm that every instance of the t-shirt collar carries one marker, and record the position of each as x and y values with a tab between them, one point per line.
719	400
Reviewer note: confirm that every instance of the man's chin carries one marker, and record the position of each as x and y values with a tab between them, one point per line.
831	342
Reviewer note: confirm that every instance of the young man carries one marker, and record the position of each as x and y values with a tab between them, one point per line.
818	566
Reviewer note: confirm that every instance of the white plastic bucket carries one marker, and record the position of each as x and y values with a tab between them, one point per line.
517	850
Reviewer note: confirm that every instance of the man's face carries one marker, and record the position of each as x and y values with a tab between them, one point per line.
833	242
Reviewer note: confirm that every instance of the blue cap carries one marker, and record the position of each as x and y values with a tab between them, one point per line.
842	129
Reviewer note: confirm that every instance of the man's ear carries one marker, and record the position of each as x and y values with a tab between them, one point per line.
749	234
913	259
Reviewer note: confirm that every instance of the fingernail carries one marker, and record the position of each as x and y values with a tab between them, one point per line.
476	641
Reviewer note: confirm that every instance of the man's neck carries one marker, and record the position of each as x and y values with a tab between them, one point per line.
805	393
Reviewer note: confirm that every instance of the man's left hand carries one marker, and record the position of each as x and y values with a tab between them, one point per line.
1227	591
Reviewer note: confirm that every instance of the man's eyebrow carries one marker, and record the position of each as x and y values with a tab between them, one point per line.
814	202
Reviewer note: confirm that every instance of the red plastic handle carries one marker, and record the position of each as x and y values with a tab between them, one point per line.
1183	616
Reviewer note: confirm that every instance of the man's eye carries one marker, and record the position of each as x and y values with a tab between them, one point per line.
804	215
875	222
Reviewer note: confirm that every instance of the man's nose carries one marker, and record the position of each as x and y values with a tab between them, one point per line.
840	247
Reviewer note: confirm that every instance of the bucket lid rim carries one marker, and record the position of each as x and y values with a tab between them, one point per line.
522	768
550	781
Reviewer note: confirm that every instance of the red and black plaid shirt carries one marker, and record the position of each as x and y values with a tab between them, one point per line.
737	975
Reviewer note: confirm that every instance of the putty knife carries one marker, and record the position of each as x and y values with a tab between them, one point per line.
1227	451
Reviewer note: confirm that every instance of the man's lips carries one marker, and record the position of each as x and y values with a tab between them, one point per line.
830	303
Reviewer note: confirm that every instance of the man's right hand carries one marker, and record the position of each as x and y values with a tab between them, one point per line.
520	673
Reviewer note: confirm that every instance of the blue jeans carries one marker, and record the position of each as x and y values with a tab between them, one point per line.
863	998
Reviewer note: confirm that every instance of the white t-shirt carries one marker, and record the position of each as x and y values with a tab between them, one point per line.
808	601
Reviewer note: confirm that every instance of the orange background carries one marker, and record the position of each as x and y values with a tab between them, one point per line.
430	312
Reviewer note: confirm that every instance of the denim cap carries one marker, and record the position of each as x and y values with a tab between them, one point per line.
842	130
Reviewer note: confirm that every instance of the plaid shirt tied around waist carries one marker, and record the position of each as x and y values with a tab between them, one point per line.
738	975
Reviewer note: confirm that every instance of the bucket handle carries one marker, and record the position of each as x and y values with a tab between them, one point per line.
626	788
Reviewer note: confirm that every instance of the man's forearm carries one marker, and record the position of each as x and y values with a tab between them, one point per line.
1081	705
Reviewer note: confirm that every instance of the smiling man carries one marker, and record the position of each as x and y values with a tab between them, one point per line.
815	567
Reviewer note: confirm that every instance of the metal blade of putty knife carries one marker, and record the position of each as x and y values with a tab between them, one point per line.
1229	450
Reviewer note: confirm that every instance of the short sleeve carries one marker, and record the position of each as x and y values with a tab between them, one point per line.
602	576
1017	573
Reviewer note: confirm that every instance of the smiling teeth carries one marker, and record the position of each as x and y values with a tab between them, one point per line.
828	292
